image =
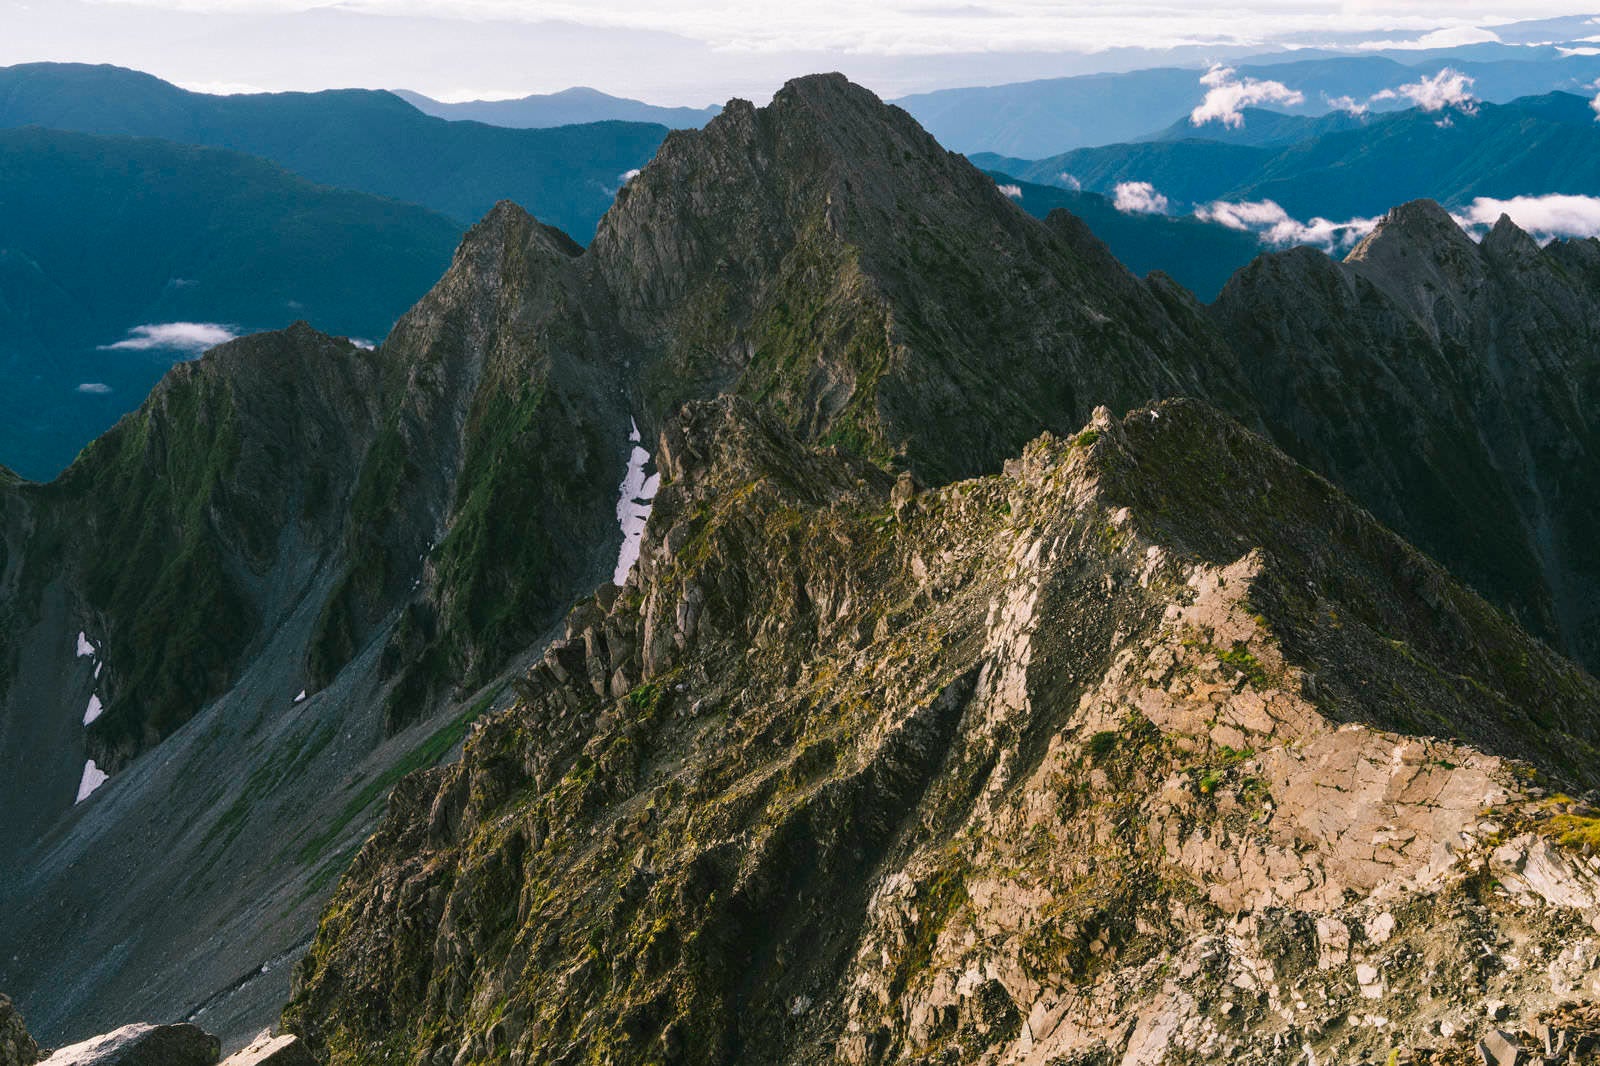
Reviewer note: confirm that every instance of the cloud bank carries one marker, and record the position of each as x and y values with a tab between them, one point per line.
1227	94
1140	198
172	336
1545	217
1348	104
1275	227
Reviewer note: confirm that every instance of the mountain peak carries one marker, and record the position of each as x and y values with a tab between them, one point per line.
1507	240
1423	260
1417	224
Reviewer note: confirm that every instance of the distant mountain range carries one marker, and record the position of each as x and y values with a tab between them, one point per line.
1531	146
101	235
1044	118
359	139
565	108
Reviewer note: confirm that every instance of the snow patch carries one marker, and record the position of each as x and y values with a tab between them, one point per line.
635	496
84	647
93	778
93	711
302	697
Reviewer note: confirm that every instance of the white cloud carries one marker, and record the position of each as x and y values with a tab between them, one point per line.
629	175
1448	37
1013	191
94	388
1545	217
1140	197
172	336
1595	103
1348	104
1227	94
1269	221
1068	181
221	88
1448	88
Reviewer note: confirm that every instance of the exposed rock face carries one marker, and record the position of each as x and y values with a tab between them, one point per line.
16	1046
1124	755
140	1044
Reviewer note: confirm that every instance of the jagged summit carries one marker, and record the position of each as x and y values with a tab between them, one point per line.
1507	240
1423	258
825	253
1415	225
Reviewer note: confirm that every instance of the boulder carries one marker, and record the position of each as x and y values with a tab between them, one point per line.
140	1044
1500	1048
269	1050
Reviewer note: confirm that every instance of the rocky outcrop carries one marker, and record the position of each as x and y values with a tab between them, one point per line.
141	1044
16	1046
1135	752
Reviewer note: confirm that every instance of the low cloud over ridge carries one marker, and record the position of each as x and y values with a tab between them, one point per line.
1448	88
1545	217
172	336
1227	95
1275	227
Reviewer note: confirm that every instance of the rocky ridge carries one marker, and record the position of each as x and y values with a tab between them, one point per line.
823	259
1114	756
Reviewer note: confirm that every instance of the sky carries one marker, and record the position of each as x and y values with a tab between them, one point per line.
703	51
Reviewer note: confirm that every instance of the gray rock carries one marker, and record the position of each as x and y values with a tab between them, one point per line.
1500	1048
269	1050
141	1044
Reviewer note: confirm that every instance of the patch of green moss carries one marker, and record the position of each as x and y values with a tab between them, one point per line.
151	487
424	755
1575	831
